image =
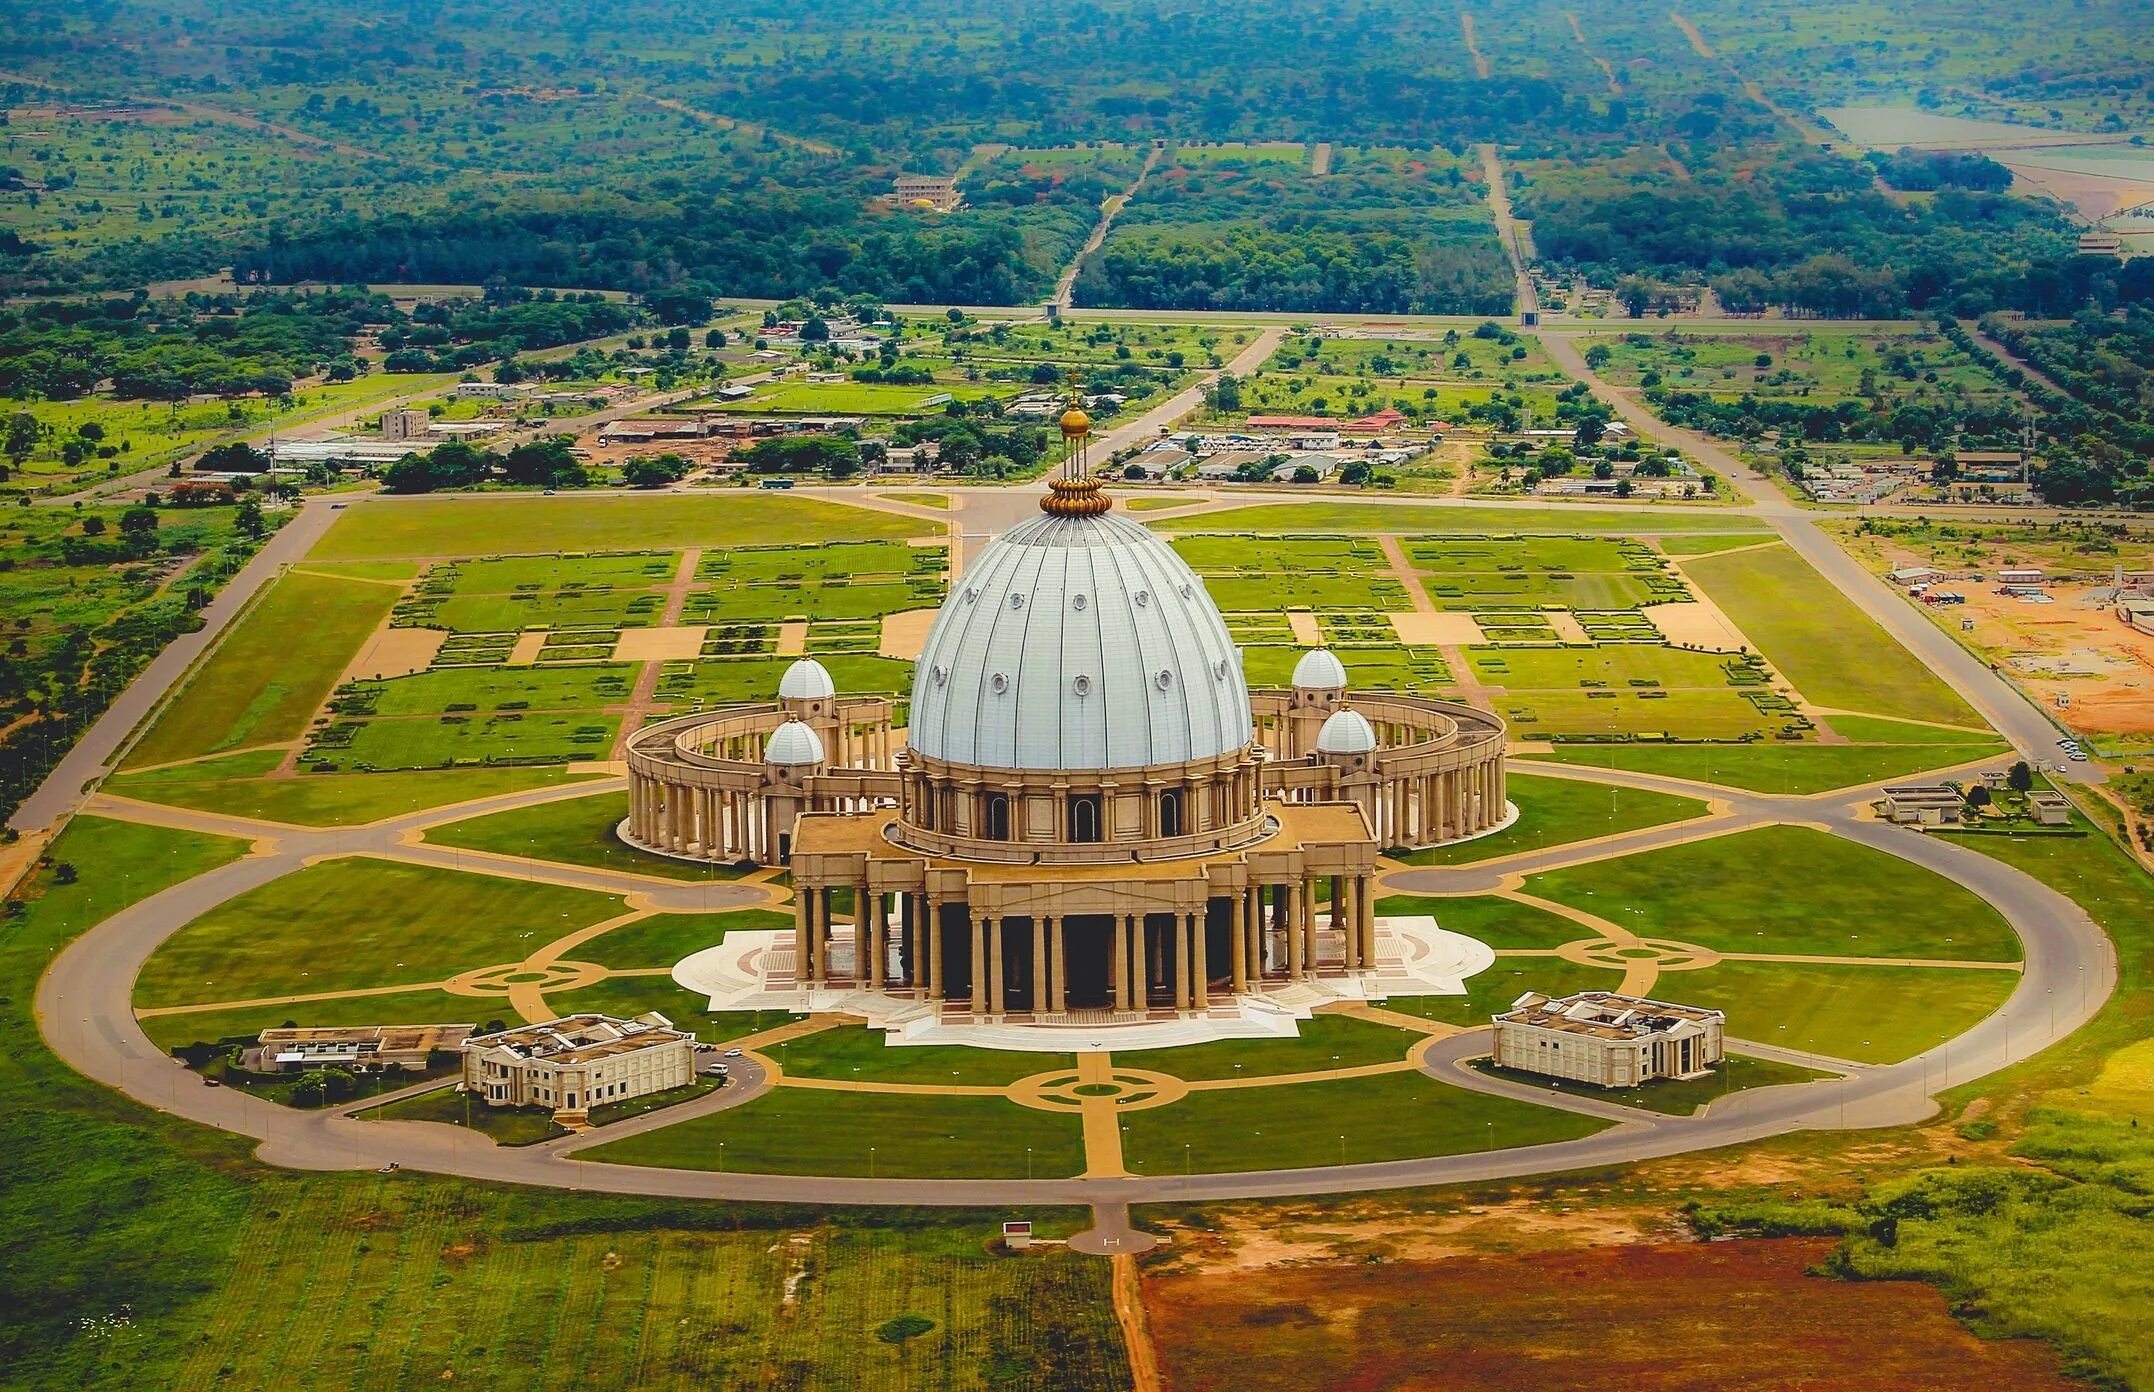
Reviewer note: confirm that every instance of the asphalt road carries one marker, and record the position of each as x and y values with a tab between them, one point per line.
101	746
84	1012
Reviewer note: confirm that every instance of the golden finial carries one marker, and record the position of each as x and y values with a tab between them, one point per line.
1076	493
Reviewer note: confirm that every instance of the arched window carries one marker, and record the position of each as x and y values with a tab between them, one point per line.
1170	812
1084	817
998	817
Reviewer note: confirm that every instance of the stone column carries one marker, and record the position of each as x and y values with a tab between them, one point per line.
1120	930
979	964
1295	927
1238	940
1199	968
1181	962
932	923
997	988
1365	901
803	912
1346	915
1058	967
1039	965
1308	918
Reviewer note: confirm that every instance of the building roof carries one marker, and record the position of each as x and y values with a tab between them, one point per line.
582	1038
806	680
793	744
1293	423
1079	643
1319	669
1607	1015
1346	732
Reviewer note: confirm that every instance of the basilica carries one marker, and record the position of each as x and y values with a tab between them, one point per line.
1089	817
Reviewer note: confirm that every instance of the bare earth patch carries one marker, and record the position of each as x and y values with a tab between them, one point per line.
1649	1317
905	634
659	644
1694	625
395	652
1437	629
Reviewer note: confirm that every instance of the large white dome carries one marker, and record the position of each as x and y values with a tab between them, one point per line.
1078	643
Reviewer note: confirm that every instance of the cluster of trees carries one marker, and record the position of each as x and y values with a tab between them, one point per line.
837	456
461	464
456	334
981	449
1785	226
1311	267
166	352
1917	425
772	243
2098	431
1926	171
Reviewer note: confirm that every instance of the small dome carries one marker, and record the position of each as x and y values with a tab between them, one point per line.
792	744
806	680
1319	670
1075	422
1346	732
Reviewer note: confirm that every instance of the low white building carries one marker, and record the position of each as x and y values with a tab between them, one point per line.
1924	804
359	1048
489	391
579	1062
1608	1040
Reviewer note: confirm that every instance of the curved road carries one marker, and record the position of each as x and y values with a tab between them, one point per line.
84	1009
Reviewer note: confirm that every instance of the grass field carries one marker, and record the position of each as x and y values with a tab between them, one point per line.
852	1054
272	671
791	1130
854	398
1735	1073
1501	923
439	528
391	923
326	799
1433	517
1788	770
1495	989
1835	654
1558	811
1786	889
1866	1014
509	1126
1392	1116
1325	1042
423	1007
575	831
663	939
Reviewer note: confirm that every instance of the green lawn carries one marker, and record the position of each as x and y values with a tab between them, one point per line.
1787	889
663	939
574	831
815	1131
509	1126
1436	517
851	1053
1501	923
1495	989
1325	1042
422	1007
1393	1116
346	924
1736	1073
1835	654
1558	811
629	996
1866	1014
272	671
1785	769
323	799
427	528
854	398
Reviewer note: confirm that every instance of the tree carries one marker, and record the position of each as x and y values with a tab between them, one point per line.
249	520
543	464
678	306
65	873
23	433
93	526
1226	393
640	472
237	457
714	339
1355	475
1978	797
2020	778
816	330
139	521
1304	473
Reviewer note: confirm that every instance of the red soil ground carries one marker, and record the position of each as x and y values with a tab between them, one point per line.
1690	1317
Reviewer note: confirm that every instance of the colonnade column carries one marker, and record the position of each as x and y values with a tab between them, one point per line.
1121	962
803	925
1238	940
1200	971
1295	928
1129	938
1346	915
979	964
1365	902
933	925
867	937
1308	918
1039	964
1181	962
1058	967
997	989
